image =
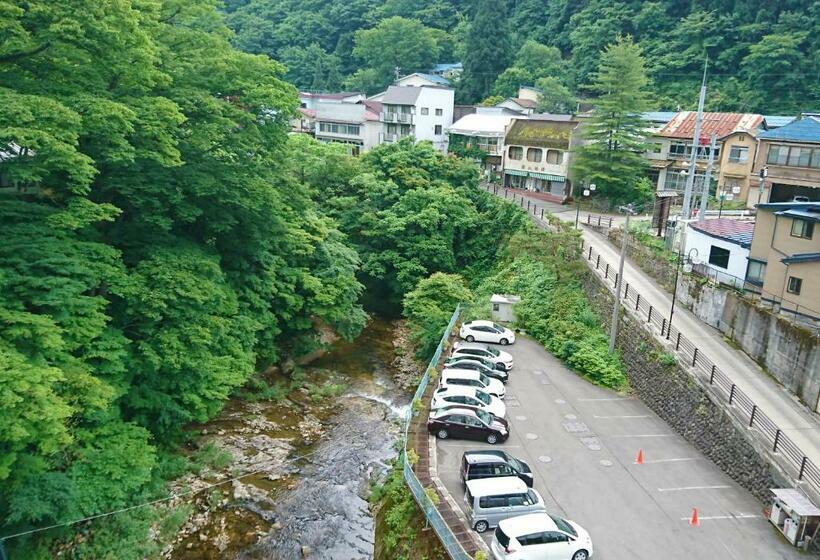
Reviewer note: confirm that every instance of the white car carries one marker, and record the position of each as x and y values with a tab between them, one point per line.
540	536
486	331
503	360
470	397
472	378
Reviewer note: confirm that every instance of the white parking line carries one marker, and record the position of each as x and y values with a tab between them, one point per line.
609	399
476	444
671	460
716	487
733	516
609	417
642	435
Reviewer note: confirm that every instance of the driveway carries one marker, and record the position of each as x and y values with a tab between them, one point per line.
582	442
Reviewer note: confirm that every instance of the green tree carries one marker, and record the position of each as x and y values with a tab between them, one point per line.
615	135
554	96
429	306
508	82
311	68
783	56
488	50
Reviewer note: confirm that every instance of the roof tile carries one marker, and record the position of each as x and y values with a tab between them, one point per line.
726	228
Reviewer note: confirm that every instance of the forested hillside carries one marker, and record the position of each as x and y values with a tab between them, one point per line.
763	56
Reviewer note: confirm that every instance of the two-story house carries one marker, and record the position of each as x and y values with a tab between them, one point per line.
784	258
355	124
671	150
423	112
482	131
790	156
536	155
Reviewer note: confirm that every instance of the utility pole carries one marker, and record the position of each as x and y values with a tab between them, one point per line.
690	179
398	71
613	331
704	200
764	172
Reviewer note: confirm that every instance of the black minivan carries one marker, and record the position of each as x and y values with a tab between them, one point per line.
490	464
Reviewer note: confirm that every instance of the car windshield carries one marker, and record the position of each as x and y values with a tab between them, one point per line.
515	463
564	526
483	397
484	417
494	352
484	379
499	327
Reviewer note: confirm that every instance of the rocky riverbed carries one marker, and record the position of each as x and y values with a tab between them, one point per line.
303	467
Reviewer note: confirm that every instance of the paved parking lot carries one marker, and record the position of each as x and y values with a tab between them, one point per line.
582	441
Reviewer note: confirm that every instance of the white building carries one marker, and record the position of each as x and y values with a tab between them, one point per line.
354	124
483	130
420	79
525	103
722	245
422	112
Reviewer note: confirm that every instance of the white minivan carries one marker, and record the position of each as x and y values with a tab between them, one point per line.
490	500
472	378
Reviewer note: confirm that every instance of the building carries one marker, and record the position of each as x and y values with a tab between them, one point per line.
447	70
721	245
784	258
482	131
420	79
671	150
536	155
791	156
503	307
355	124
305	121
422	112
525	103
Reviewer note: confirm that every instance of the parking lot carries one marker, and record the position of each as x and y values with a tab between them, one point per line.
581	442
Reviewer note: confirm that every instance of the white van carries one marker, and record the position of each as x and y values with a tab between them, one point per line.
490	500
472	378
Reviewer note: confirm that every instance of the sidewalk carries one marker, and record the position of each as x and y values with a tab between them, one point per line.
783	408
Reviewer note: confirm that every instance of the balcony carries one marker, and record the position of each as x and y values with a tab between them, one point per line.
392	117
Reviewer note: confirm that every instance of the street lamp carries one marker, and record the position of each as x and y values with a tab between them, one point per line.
586	192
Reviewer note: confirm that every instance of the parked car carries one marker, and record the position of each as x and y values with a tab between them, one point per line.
501	359
491	463
467	423
491	500
486	331
539	535
472	378
469	397
474	363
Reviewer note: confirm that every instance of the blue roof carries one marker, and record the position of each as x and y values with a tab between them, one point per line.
776	121
789	205
812	214
801	257
447	66
803	130
434	78
658	116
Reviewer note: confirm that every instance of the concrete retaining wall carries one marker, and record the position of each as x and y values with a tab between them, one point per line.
787	351
676	397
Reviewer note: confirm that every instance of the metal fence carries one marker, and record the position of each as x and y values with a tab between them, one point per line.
448	539
788	454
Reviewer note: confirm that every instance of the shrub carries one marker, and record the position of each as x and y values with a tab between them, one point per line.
429	307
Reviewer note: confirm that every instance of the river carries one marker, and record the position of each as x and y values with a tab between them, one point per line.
306	467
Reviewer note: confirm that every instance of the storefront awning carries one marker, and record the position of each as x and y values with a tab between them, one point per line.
548	177
516	172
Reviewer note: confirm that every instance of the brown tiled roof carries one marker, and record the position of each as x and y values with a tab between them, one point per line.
372	109
722	125
528	103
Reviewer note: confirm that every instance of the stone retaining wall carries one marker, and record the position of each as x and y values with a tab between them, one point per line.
681	402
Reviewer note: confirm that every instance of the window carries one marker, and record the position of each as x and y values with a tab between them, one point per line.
439	112
563	525
555	157
655	148
815	158
555	537
719	256
516	152
492	502
339	128
683	150
802	228
495	307
756	271
425	111
677	182
534	538
795	284
437	130
738	154
794	156
533	154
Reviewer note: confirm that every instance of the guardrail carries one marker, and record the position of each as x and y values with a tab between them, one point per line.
434	517
597	220
793	461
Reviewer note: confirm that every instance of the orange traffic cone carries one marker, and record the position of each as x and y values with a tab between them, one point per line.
639	458
694	522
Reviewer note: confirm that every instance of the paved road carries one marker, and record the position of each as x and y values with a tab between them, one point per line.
589	438
793	417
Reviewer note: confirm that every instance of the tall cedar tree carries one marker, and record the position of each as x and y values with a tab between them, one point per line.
611	156
489	50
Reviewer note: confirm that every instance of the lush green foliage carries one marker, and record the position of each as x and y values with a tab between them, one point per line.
487	50
429	307
157	246
615	136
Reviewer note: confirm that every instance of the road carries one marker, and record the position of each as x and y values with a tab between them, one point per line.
582	441
791	416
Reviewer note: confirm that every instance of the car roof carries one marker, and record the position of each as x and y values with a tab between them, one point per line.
466	358
476	345
481	323
460	373
457	390
495	486
473	457
526	524
439	412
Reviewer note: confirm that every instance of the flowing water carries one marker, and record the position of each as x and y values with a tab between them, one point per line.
316	507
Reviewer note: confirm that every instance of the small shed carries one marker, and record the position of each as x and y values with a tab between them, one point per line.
795	516
502	307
